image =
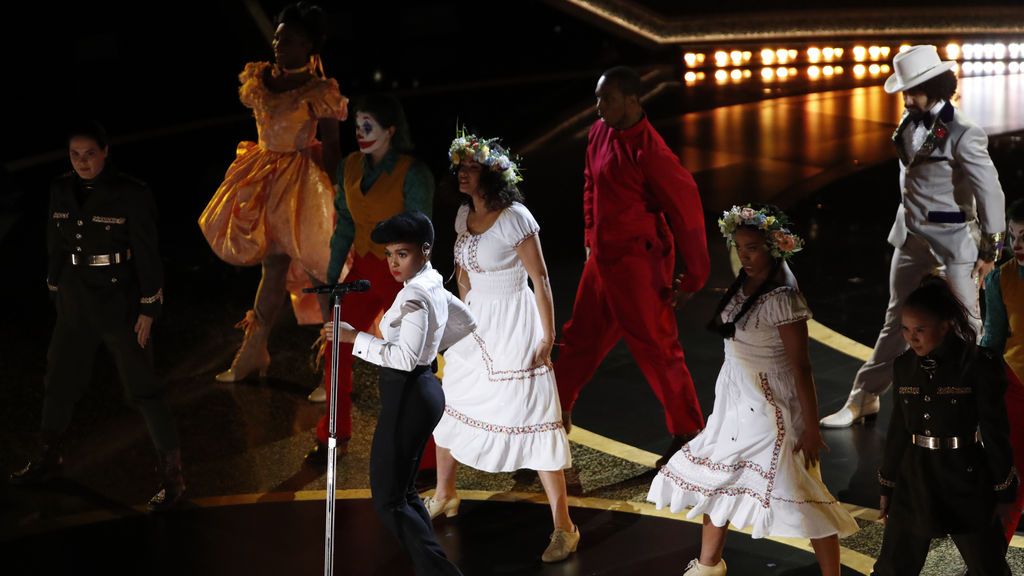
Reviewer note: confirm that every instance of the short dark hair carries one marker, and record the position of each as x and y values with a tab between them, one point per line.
88	128
1015	211
626	80
309	18
388	112
410	226
942	87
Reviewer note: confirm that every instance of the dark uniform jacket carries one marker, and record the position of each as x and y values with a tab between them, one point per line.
948	491
118	215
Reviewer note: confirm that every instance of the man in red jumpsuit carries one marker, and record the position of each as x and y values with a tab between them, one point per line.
641	210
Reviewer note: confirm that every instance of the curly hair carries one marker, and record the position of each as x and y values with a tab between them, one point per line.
310	19
942	87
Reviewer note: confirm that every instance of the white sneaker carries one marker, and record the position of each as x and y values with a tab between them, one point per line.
318	395
695	568
860	406
562	544
449	506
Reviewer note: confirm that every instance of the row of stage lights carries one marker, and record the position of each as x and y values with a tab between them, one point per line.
782	73
859	53
859	71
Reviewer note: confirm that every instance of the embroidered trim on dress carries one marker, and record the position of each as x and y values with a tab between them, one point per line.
108	220
708	463
766	498
159	296
954	390
61	215
497	428
506	375
1009	480
912	390
466	256
525	238
884	482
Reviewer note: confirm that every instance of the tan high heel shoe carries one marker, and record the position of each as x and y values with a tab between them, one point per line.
449	506
252	355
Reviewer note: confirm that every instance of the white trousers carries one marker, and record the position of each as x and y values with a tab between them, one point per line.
910	263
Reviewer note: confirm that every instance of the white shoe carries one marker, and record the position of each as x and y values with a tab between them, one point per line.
562	544
860	406
318	395
449	507
695	568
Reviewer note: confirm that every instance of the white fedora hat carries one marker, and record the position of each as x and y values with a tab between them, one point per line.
914	66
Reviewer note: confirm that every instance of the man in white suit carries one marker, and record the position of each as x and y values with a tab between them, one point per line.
950	219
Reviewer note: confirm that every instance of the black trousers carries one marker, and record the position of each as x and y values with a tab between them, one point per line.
904	551
411	406
87	318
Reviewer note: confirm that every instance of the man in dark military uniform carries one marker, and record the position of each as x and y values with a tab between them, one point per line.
948	467
106	278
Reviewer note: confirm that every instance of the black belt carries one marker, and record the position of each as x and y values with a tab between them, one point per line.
940	217
101	259
949	443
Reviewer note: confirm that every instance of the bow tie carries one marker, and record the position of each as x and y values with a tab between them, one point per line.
925	119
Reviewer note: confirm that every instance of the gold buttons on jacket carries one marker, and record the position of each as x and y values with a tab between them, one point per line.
78	236
927	398
79	223
927	416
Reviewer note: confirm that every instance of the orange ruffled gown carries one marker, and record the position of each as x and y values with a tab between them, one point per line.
276	198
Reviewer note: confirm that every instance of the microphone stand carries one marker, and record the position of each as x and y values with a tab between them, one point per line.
332	434
337	292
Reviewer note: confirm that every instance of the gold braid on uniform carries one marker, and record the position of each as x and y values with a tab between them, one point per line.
884	482
1009	480
158	297
51	287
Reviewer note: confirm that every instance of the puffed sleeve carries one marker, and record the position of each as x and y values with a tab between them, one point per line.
786	306
251	80
327	102
460	219
520	225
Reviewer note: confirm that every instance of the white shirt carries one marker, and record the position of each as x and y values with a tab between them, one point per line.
423	319
921	131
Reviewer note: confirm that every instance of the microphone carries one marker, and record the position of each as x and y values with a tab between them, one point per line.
344	288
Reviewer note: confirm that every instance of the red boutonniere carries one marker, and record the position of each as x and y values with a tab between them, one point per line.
940	132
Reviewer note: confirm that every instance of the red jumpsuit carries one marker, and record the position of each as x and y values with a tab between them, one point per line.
634	190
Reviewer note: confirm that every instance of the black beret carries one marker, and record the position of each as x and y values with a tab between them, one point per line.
413	226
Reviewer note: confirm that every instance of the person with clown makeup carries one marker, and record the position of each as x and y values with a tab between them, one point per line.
374	184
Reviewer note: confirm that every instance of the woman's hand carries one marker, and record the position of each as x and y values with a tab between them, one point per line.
883	508
346	333
811	443
542	356
143	327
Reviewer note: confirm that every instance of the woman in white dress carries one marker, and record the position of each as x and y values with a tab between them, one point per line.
755	464
501	403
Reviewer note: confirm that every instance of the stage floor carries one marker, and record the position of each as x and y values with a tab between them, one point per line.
257	509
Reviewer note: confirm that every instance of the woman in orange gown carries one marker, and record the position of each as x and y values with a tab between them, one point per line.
274	207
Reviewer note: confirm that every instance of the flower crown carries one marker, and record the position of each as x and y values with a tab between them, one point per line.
488	152
781	241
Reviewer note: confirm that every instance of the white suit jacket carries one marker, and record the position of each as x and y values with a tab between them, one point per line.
950	188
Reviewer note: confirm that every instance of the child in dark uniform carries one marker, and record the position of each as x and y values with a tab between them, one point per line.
947	467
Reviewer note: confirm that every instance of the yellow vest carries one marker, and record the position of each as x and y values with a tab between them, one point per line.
383	200
1012	287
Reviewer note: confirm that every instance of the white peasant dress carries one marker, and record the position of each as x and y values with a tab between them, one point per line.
741	468
501	412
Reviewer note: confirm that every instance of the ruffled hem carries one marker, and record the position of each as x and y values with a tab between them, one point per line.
783	518
546	449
